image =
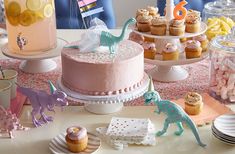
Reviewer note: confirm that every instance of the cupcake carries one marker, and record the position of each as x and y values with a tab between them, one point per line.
136	38
153	11
193	103
193	22
203	40
193	49
142	12
177	27
170	52
149	50
76	138
143	23
158	26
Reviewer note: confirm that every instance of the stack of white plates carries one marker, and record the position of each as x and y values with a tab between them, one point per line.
223	128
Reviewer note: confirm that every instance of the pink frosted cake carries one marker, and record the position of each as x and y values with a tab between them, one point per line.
100	73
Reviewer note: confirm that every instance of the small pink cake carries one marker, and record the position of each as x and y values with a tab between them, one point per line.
100	73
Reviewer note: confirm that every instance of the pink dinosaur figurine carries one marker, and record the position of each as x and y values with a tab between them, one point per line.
41	100
9	122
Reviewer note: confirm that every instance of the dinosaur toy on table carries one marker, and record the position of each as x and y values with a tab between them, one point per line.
175	114
41	100
98	35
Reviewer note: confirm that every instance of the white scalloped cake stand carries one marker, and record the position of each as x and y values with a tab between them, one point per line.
170	71
105	104
37	63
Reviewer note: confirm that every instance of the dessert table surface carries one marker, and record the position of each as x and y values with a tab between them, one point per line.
36	140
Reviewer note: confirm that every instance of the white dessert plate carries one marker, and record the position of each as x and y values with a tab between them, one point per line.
229	138
226	125
58	144
167	36
223	140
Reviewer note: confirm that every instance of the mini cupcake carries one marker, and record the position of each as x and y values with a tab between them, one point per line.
193	22
158	26
76	138
143	23
142	12
177	27
193	49
203	40
170	52
193	103
136	38
153	11
149	50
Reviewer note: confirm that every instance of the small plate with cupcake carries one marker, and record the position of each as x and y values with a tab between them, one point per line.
75	140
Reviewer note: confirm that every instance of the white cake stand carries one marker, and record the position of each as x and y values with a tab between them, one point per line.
105	104
170	71
37	63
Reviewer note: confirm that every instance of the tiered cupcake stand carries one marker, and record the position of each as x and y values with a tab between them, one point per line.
105	104
38	62
170	71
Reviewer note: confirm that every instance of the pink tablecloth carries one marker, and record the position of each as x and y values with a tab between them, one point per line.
198	80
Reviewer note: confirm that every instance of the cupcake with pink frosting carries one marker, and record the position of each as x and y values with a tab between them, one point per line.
149	50
170	52
76	138
203	40
193	49
136	38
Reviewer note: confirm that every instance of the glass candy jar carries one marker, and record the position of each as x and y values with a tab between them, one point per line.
31	25
219	8
222	72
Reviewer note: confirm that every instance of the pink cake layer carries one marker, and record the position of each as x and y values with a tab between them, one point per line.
99	73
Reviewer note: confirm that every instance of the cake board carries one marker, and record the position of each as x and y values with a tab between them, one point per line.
105	104
37	62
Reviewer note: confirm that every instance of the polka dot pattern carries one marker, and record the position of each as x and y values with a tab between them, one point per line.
2	16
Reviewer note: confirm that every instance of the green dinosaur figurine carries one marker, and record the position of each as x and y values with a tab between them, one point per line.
95	38
175	114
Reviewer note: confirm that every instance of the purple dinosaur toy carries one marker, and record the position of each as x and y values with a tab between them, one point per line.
40	100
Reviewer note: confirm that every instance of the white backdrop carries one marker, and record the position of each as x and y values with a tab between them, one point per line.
125	9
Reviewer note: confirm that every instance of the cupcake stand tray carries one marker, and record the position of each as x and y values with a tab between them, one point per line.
170	71
105	104
36	62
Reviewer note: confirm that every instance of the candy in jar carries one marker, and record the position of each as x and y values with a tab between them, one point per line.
222	72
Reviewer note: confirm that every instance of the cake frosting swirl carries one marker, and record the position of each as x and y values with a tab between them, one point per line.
149	45
158	21
142	12
193	44
193	98
200	38
170	48
193	17
177	23
144	19
76	132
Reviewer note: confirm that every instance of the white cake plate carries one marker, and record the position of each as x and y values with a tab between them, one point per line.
37	63
105	104
170	71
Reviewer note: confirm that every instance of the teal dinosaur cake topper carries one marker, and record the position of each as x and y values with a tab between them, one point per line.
99	35
175	114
